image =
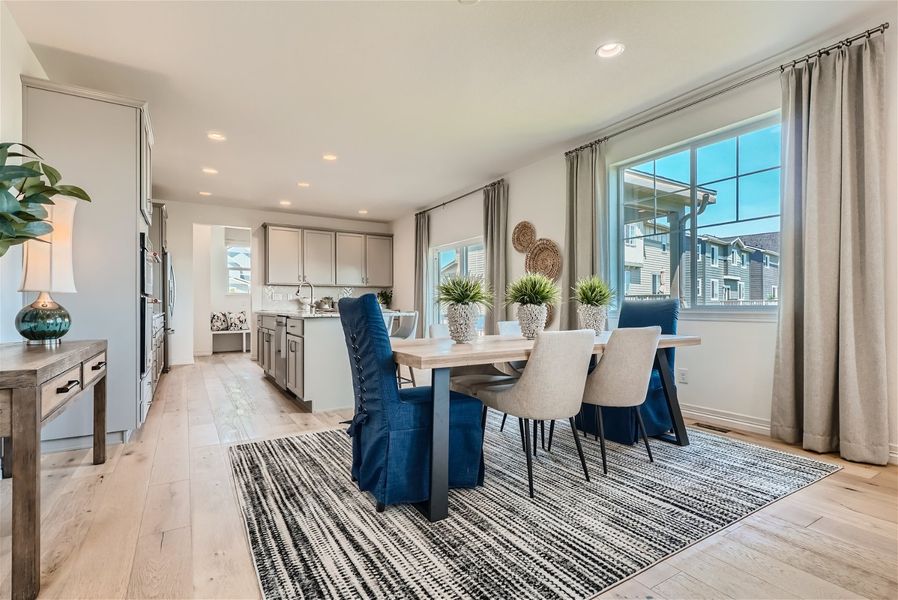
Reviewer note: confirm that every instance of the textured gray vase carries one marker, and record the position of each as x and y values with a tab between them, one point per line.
532	318
592	317
461	322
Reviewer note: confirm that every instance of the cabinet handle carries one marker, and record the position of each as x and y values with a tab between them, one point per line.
98	366
72	384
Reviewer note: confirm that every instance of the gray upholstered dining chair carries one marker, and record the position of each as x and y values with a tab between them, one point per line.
622	377
403	327
551	387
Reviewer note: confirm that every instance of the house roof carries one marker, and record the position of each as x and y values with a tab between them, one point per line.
769	241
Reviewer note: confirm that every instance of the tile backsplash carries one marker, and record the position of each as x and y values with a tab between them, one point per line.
283	297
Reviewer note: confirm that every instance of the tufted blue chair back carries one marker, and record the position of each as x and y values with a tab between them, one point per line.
373	382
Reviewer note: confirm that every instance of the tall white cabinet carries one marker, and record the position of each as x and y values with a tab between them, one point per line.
101	143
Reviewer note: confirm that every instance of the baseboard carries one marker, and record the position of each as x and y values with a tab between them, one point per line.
209	353
725	418
81	442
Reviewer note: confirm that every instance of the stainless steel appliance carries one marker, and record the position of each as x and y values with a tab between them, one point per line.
168	301
280	352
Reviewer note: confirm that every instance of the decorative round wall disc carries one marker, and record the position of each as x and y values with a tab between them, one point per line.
524	236
544	257
550	314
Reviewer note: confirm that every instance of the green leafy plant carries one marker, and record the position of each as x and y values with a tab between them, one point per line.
464	290
385	297
25	191
593	291
533	288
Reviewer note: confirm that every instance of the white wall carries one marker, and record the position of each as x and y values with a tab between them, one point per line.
182	216
16	59
735	393
202	289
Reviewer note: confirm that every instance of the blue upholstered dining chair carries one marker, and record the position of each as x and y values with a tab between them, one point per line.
391	429
619	424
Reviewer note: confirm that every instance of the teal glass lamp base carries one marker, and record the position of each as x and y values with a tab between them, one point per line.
43	321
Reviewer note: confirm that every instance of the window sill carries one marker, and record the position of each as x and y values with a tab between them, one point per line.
735	316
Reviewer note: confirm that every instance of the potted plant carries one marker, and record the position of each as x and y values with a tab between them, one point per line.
385	297
24	194
532	293
463	296
593	297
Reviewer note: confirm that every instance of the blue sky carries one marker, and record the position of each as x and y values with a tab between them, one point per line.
717	167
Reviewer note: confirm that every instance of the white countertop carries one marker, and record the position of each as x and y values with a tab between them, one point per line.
295	314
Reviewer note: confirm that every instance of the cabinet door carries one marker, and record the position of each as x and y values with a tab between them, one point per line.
283	256
350	259
291	363
260	345
318	257
378	261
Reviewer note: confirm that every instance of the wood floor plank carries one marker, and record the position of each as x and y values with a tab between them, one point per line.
684	587
631	589
167	507
162	566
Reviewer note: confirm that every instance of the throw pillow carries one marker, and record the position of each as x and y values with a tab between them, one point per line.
219	321
237	321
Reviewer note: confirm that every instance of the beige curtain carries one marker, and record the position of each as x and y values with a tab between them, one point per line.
830	375
586	243
422	248
495	226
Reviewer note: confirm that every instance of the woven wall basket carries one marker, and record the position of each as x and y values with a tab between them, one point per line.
550	314
544	257
524	236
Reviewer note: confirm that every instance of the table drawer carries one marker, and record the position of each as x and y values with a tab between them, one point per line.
93	368
59	389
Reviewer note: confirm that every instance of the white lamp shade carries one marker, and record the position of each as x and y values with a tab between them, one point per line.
47	267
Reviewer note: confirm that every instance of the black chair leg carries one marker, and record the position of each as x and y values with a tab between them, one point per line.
601	428
579	448
645	438
598	421
523	437
380	507
411	372
527	454
483	419
552	432
542	434
502	426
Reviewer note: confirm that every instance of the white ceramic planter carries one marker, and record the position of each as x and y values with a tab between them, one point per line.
532	318
462	318
592	317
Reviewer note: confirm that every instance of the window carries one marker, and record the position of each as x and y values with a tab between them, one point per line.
463	258
718	196
238	267
656	283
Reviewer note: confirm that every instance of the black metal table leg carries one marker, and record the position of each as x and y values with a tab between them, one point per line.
680	437
437	507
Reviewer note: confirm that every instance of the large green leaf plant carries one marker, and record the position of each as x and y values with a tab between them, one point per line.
25	192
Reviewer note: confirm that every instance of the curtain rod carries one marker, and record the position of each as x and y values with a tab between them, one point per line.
465	195
787	65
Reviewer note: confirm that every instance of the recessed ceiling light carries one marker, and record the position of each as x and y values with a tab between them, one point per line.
285	203
205	193
329	157
216	136
210	171
303	184
363	211
610	50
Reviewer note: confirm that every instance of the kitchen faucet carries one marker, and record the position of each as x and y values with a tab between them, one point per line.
311	293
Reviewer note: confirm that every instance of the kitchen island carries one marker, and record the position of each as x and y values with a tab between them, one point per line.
305	355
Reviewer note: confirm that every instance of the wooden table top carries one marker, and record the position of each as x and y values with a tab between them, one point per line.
436	354
22	365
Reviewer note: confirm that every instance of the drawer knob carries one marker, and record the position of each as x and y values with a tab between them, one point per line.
72	384
98	366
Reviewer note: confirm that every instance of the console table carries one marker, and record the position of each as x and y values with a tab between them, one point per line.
37	384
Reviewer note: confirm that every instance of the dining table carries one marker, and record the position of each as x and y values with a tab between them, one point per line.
441	355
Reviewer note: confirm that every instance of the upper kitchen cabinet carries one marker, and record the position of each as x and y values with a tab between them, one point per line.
283	255
378	261
351	259
319	265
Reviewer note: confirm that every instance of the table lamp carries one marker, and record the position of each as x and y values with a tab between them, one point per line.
47	267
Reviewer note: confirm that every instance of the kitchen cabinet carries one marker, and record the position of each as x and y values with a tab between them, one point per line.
351	259
319	266
283	255
295	365
378	261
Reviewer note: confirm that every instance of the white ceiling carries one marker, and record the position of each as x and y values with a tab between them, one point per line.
419	100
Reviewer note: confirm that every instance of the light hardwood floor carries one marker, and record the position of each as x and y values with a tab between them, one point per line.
160	519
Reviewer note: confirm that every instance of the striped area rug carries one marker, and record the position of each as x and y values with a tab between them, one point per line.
314	535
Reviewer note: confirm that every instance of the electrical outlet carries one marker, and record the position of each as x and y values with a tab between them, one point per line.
683	376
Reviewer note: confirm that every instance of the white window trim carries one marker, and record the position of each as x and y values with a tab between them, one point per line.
228	269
